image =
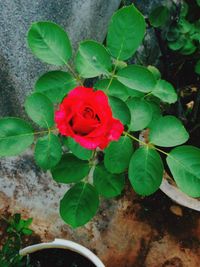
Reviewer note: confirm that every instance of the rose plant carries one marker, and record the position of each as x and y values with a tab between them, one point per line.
88	137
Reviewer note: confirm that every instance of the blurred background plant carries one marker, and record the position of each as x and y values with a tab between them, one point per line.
178	34
17	229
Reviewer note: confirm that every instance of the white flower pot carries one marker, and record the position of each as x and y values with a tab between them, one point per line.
64	244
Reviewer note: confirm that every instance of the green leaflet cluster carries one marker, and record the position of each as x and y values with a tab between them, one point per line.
16	230
135	93
182	34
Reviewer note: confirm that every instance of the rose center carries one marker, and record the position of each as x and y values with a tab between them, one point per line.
88	113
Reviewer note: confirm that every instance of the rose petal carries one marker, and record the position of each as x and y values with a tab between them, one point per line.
80	92
82	125
89	143
116	130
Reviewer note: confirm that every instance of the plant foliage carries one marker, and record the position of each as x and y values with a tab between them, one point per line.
9	254
135	93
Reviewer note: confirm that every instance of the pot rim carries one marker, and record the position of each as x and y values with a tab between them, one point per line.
64	244
173	192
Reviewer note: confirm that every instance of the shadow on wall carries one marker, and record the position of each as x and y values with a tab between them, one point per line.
9	105
82	19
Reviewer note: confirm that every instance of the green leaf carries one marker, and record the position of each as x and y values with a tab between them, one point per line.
92	59
185	26
184	9
156	73
17	220
165	91
79	151
145	171
137	77
4	263
197	67
28	222
112	88
117	89
50	43
27	231
70	169
141	113
195	36
134	93
168	131
55	85
156	113
79	204
125	32
188	48
173	34
177	44
16	136
48	151
40	109
108	184
159	16
184	164
120	110
198	2
118	154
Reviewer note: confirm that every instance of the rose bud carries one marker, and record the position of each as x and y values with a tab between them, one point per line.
86	116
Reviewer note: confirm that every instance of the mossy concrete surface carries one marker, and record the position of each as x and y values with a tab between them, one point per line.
128	231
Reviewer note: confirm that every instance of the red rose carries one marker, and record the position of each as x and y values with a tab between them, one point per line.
86	116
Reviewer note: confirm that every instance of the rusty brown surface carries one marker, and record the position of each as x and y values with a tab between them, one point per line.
128	231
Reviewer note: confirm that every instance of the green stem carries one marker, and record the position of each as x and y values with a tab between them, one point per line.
93	157
145	144
150	93
162	151
134	138
91	164
45	131
76	76
113	73
111	79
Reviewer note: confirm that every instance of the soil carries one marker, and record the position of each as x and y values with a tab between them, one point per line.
58	258
157	210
